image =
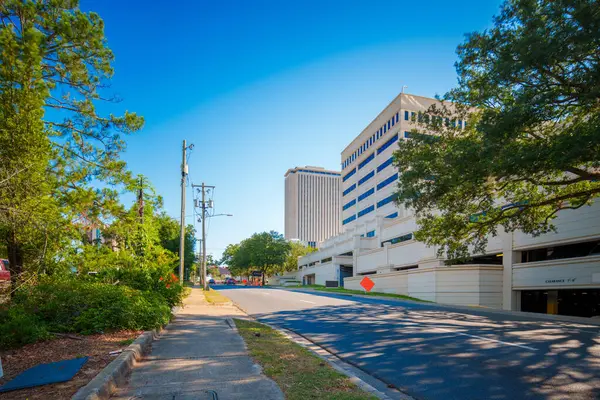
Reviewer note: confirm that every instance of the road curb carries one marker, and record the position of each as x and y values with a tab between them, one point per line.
334	361
114	374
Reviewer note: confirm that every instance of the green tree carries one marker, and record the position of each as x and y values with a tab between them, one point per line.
265	252
228	254
529	89
54	64
131	241
297	250
169	232
214	272
238	264
210	260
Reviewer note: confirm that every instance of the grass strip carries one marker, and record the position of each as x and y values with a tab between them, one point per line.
299	373
322	288
305	286
362	292
216	298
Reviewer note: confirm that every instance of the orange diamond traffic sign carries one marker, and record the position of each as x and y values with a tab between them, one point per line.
367	283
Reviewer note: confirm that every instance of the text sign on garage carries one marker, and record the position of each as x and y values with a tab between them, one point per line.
367	283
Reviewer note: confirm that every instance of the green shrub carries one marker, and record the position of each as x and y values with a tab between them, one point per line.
157	279
18	328
74	305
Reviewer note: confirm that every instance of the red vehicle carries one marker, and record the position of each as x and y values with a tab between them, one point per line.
4	272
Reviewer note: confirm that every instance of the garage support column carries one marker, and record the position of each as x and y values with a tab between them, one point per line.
355	251
379	231
510	257
552	306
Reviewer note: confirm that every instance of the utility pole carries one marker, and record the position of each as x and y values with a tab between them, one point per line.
204	205
184	172
204	285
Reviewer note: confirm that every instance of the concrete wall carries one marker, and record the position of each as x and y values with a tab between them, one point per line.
479	285
569	273
392	256
322	272
573	226
370	260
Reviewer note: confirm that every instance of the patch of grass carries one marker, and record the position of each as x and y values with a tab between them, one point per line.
322	288
299	373
126	342
215	298
375	294
306	286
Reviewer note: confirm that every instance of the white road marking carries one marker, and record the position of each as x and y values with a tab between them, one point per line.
489	339
306	301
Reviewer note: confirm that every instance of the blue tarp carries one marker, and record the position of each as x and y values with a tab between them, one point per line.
44	374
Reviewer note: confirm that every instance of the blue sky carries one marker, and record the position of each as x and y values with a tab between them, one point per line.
263	86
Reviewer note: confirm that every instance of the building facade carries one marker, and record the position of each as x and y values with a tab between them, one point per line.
312	204
556	273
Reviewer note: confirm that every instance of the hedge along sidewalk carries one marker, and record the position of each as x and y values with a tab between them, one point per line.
298	372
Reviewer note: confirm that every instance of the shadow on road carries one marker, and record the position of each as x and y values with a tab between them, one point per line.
440	354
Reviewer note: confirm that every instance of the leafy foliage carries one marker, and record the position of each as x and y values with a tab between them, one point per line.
54	66
297	250
265	252
214	272
61	177
229	259
18	328
169	232
71	305
529	90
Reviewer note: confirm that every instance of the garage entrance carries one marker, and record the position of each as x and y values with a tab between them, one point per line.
573	302
345	272
309	279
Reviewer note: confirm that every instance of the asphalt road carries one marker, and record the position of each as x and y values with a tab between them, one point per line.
435	352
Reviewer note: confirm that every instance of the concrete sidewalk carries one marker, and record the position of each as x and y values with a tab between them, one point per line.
199	352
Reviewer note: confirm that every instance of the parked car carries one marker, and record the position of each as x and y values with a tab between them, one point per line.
211	281
230	281
4	272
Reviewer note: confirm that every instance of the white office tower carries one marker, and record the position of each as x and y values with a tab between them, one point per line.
312	204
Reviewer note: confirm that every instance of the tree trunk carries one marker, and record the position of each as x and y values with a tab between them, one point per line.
15	260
